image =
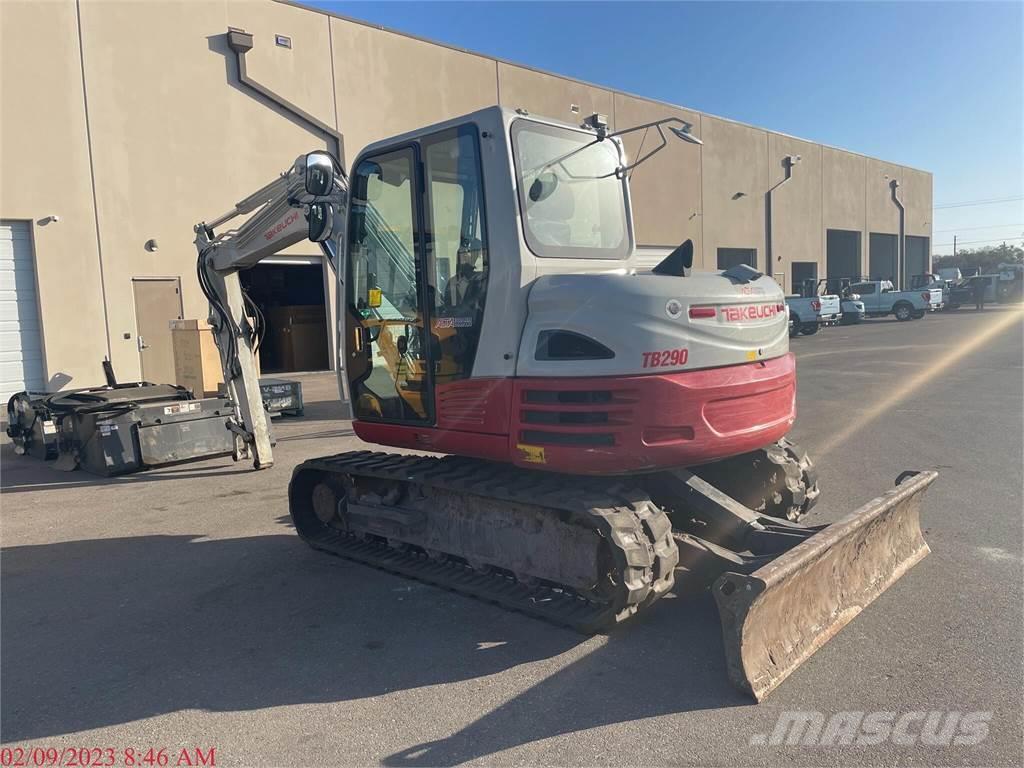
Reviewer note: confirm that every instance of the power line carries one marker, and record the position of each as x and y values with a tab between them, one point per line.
970	242
991	201
971	229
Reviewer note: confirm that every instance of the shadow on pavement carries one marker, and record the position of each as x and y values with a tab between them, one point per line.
26	473
108	631
666	663
332	410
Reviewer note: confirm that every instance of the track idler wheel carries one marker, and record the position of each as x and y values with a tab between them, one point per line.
779	480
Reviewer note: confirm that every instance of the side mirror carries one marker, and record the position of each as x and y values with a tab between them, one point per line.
543	186
319	173
321	221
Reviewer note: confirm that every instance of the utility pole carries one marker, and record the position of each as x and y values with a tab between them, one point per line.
954	246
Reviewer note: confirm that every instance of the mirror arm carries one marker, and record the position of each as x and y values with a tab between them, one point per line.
654	124
621	171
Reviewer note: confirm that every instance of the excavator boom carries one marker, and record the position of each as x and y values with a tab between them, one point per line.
276	219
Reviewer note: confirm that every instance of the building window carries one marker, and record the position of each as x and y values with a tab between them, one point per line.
731	257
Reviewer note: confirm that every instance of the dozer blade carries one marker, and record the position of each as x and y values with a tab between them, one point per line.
776	617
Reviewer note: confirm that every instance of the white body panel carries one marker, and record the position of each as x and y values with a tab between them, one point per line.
616	302
638	315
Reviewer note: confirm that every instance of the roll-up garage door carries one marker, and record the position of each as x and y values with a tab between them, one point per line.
21	346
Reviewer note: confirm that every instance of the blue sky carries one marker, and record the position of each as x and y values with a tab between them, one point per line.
938	86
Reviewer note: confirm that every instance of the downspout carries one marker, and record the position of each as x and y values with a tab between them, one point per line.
787	163
240	42
901	243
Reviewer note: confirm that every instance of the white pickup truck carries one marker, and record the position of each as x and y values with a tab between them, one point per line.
808	313
880	298
935	285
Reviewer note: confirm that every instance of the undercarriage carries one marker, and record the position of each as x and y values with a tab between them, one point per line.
578	551
589	553
575	551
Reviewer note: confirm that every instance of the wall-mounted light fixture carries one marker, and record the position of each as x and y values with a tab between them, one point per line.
152	245
283	40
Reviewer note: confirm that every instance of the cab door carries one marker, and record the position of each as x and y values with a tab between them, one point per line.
389	350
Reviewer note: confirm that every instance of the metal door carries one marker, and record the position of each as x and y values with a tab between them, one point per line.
157	303
21	345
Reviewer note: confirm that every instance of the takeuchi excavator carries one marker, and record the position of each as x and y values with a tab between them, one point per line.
612	429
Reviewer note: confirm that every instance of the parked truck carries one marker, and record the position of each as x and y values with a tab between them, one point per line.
852	307
1010	286
808	313
935	285
880	299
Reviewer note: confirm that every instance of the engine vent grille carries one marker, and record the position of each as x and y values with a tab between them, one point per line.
574	417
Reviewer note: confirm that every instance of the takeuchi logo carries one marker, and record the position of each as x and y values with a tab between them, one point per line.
750	312
271	233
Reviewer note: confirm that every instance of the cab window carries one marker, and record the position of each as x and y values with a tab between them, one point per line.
456	238
572	200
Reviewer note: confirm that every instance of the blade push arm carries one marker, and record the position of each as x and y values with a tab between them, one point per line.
276	219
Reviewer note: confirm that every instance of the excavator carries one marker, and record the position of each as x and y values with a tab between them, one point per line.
580	431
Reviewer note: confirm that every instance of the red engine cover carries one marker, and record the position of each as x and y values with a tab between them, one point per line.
602	425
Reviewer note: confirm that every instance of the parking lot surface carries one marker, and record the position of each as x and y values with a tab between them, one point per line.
177	608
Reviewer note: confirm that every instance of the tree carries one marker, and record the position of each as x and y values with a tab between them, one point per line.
987	259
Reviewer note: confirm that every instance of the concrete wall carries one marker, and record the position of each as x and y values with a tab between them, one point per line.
142	103
796	205
551	95
882	213
735	178
44	157
388	84
666	190
843	200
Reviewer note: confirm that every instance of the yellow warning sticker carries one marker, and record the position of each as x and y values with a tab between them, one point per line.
751	354
534	454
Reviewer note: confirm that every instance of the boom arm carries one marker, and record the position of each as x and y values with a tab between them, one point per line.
277	216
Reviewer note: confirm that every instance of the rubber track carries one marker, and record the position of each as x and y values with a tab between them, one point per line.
638	532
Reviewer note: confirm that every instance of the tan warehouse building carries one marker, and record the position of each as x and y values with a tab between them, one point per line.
123	124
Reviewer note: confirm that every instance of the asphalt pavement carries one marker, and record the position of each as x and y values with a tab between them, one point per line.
177	609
